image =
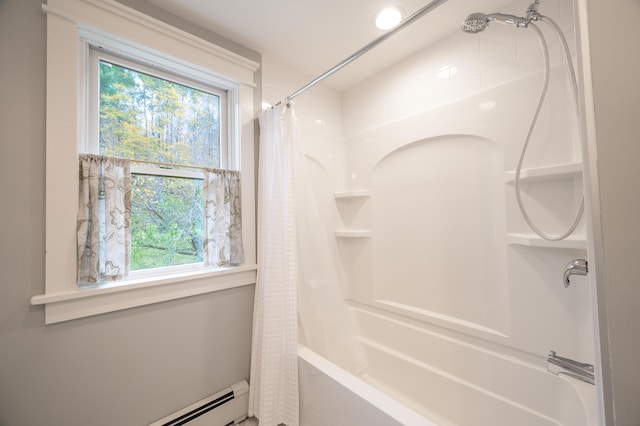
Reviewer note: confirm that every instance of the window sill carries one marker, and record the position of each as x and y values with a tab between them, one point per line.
84	302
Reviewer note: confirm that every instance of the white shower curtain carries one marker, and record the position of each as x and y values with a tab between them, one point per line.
273	395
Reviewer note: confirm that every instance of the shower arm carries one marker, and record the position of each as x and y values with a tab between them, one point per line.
405	23
518	21
509	19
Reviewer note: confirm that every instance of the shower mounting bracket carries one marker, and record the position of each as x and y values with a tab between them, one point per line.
532	12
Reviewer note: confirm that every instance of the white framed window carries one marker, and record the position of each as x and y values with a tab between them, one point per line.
108	67
170	127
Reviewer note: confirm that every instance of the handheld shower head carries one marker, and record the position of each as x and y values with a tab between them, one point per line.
474	23
477	22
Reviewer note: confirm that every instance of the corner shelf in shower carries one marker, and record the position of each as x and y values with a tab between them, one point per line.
346	195
353	233
359	194
559	171
532	240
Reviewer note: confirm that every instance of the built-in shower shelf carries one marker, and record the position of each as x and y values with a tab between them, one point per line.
345	195
559	171
532	240
353	233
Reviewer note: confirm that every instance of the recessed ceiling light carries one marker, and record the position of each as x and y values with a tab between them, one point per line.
388	18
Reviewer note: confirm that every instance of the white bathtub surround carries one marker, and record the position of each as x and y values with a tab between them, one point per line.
469	308
326	324
457	302
273	397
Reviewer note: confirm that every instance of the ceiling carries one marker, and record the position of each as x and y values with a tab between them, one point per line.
312	36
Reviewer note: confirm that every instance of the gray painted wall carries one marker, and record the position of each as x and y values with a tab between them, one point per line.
614	35
125	368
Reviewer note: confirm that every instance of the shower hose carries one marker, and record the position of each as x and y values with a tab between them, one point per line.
543	94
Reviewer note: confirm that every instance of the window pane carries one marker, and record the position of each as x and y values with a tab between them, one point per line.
148	118
167	221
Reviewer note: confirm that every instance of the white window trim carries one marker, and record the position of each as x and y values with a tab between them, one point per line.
70	23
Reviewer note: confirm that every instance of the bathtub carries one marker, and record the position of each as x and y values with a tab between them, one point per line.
468	386
330	395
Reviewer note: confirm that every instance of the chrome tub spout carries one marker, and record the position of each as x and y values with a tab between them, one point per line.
575	267
578	370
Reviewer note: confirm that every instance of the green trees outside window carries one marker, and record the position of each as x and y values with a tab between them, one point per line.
144	117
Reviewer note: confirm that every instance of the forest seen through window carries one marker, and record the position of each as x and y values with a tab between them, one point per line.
144	117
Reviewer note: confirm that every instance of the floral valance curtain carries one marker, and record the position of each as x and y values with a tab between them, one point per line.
223	225
104	219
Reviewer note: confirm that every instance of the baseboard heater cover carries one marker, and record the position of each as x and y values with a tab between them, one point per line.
229	406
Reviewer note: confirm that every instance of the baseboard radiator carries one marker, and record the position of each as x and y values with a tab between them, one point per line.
229	406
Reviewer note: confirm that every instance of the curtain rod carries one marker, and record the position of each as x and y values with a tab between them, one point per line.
408	21
156	163
171	165
166	165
